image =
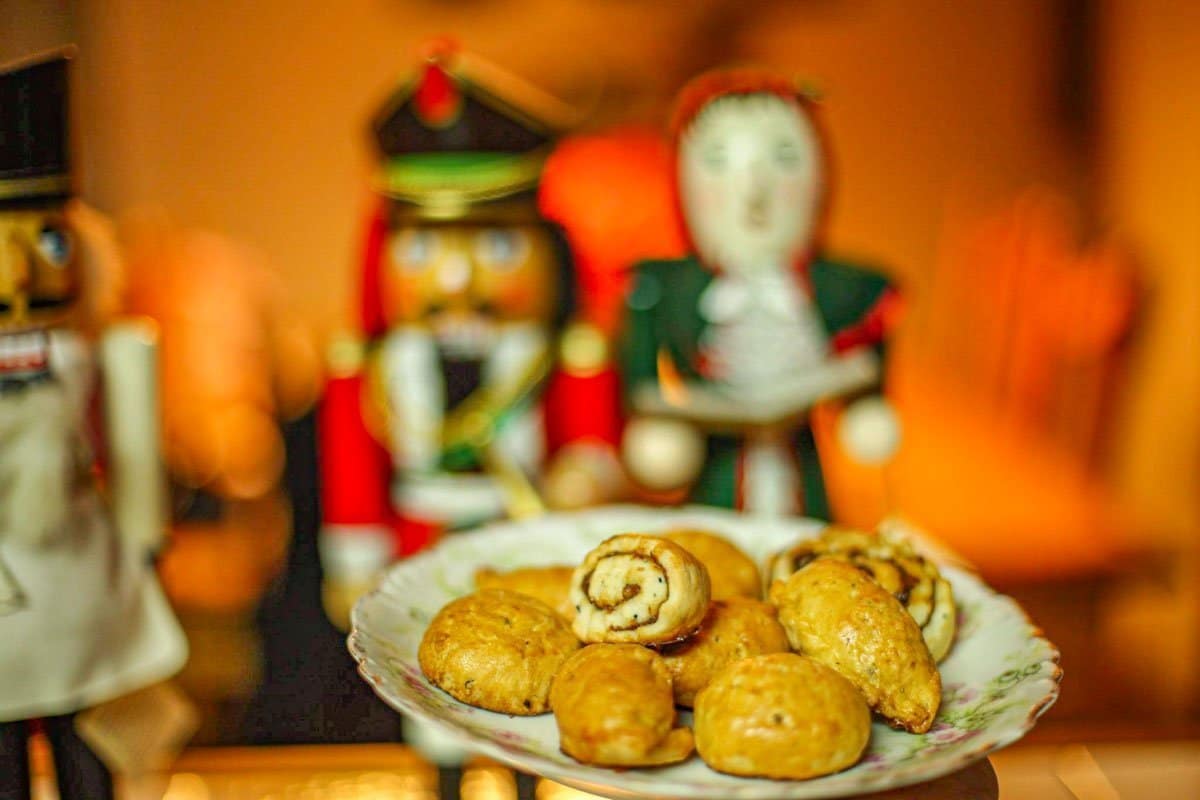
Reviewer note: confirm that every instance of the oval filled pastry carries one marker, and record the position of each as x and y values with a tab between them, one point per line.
498	650
613	707
731	573
837	615
639	589
551	585
734	629
891	560
780	716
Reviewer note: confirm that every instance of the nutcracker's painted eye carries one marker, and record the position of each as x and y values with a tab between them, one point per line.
55	245
501	248
414	249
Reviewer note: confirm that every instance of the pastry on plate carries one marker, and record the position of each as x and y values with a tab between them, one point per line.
498	650
613	707
639	589
835	614
891	560
551	585
734	629
731	573
780	716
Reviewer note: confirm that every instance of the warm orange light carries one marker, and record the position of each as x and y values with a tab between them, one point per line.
549	790
487	780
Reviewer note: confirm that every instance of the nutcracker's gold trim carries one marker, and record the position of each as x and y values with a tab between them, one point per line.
583	349
474	422
472	425
346	355
516	209
521	499
35	188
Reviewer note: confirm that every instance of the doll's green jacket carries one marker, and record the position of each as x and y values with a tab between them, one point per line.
662	313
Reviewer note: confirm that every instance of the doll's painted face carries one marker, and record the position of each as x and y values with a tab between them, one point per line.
466	277
39	277
750	182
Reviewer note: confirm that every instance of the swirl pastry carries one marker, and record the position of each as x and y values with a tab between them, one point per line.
498	650
613	707
551	585
781	716
911	578
838	616
731	573
639	589
734	629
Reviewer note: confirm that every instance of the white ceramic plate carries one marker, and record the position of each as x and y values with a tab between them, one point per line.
999	678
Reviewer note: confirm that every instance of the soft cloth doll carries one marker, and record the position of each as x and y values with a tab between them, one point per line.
726	350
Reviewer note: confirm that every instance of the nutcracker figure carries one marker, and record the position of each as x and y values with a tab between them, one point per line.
82	619
725	351
437	419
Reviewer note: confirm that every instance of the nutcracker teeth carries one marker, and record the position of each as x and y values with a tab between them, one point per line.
23	351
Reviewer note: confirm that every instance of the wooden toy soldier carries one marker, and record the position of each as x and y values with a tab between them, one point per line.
456	401
82	619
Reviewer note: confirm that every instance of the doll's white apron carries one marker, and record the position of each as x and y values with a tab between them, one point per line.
95	624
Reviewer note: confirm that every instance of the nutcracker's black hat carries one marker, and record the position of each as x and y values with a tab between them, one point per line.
461	138
34	143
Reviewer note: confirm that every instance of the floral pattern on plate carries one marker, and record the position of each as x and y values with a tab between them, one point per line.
1000	676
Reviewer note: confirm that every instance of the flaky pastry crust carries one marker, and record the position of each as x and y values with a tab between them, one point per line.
638	589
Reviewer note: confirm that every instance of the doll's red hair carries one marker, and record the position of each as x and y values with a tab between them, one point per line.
710	86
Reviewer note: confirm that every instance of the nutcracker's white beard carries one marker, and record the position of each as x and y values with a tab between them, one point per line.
39	457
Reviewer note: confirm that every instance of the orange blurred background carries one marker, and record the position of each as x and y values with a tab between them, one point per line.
249	119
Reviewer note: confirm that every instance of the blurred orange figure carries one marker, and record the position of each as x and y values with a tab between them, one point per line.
1005	376
235	364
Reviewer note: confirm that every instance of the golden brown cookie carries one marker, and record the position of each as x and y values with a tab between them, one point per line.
893	562
613	706
731	573
498	650
641	589
551	585
837	615
781	716
734	629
